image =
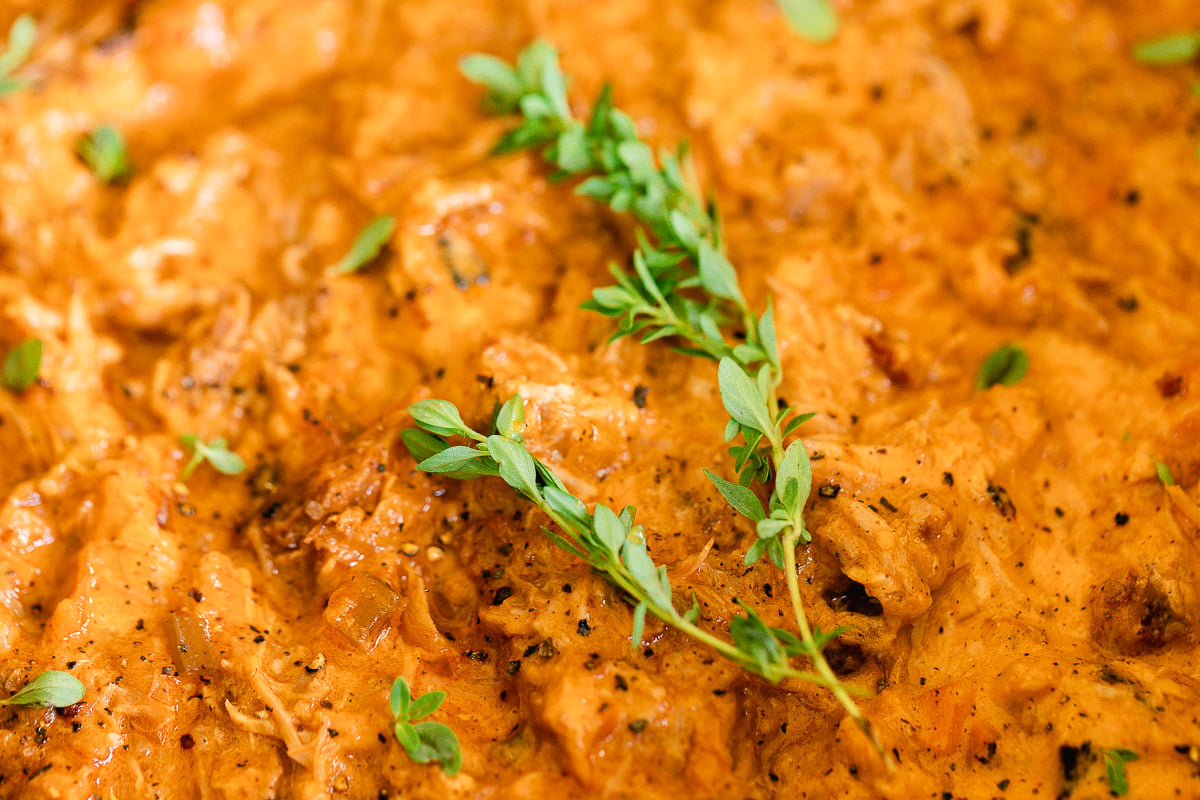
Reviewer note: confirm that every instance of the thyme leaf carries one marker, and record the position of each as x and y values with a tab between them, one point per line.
103	150
216	452
1170	50
1164	473
815	20
1005	365
21	366
21	38
366	247
1114	768
52	688
1175	48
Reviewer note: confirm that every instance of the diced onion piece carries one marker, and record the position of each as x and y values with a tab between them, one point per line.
362	610
191	644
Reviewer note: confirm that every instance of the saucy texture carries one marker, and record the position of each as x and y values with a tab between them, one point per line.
947	176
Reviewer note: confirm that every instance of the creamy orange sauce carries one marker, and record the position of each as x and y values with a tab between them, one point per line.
1020	589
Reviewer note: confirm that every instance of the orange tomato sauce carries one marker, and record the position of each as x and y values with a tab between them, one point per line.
1020	589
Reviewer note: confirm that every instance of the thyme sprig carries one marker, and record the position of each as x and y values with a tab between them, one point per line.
426	741
609	541
682	287
622	171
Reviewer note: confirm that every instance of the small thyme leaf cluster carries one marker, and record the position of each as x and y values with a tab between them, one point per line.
426	741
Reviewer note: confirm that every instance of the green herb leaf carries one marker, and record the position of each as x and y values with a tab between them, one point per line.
772	527
510	419
571	150
639	624
741	397
1005	365
103	150
224	460
21	366
504	88
400	698
1177	48
21	38
216	453
815	20
1164	473
759	642
743	500
609	529
422	444
425	705
1114	768
53	688
516	465
793	481
571	508
755	552
440	417
409	739
452	459
530	63
717	275
766	334
641	569
367	246
439	744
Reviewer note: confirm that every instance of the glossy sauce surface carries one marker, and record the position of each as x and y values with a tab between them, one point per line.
1020	588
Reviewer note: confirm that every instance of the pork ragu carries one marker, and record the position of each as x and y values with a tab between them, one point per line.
1017	583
